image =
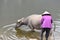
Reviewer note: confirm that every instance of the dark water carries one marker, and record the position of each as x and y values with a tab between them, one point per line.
12	10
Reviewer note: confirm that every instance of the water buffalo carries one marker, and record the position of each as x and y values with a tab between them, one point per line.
33	21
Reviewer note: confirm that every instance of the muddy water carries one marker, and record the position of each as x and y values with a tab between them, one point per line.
23	33
10	33
28	34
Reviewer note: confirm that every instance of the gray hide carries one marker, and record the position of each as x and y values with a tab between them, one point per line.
33	21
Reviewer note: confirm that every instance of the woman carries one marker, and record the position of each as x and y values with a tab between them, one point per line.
46	24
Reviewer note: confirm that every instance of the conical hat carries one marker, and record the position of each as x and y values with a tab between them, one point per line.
46	12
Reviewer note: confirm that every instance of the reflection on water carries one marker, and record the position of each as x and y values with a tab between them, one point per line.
10	33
